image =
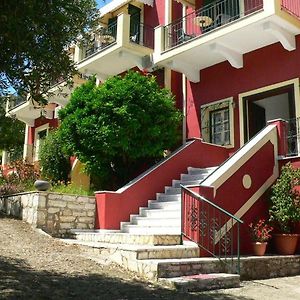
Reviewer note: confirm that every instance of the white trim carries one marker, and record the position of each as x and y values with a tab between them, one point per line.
225	171
294	81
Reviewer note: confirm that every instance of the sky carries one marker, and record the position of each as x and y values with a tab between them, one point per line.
101	3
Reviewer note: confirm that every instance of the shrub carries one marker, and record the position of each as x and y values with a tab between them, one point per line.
118	126
8	188
285	209
55	165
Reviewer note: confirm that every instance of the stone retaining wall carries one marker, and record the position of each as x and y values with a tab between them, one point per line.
55	213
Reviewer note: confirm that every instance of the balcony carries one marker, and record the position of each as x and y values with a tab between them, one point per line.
118	48
27	110
225	30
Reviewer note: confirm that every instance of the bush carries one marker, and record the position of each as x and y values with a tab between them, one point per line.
9	188
55	165
118	126
285	209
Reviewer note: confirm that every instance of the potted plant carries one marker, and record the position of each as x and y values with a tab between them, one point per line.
285	209
260	234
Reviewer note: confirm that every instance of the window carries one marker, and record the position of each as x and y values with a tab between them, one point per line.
219	127
217	122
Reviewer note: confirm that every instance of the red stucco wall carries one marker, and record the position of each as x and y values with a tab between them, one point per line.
263	67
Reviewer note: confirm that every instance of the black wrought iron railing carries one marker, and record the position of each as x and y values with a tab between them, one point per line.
215	230
101	40
143	35
206	19
292	137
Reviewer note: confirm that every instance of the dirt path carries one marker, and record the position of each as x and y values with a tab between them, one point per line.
34	266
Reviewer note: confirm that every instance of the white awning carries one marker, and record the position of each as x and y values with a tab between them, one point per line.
116	4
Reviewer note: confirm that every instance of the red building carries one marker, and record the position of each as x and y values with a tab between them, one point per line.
234	66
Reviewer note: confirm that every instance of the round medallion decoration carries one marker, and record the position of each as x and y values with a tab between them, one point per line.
247	181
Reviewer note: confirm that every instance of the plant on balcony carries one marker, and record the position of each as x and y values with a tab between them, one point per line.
119	127
285	208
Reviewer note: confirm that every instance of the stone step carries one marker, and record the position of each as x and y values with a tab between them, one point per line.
151	229
169	190
160	213
118	237
144	221
163	197
140	252
202	282
154	204
189	177
176	183
207	171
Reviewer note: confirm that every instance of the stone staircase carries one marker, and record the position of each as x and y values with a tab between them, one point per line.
150	244
162	216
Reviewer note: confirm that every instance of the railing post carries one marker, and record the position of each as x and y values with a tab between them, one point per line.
282	133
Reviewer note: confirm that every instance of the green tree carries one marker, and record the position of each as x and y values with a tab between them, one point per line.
11	133
119	126
55	165
34	39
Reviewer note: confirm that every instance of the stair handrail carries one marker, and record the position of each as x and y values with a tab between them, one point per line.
222	234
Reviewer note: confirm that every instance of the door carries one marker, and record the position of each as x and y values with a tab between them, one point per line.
135	23
256	117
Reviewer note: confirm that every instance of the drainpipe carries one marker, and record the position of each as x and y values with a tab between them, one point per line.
184	109
184	8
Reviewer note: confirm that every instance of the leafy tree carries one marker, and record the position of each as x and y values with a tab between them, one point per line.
54	164
119	126
11	132
34	39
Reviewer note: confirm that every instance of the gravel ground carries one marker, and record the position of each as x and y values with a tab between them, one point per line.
35	266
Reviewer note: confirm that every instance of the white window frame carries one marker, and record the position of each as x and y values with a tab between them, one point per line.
206	111
37	140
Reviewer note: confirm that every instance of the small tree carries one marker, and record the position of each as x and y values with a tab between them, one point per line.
285	207
55	165
118	126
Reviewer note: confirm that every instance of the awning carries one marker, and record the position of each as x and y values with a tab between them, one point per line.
189	3
116	4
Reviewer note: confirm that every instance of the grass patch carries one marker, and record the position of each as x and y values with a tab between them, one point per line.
71	189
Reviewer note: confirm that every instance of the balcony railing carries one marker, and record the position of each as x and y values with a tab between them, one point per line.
206	19
105	38
216	231
142	35
13	102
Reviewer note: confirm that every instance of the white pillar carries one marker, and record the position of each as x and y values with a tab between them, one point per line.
168	11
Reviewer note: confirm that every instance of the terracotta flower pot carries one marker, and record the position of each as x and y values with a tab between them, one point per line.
285	243
259	248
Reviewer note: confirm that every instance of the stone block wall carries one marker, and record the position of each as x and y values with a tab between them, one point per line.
55	213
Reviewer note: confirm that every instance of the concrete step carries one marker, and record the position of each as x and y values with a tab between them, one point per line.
140	252
118	237
164	197
169	190
202	282
165	205
207	171
151	229
160	213
144	221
